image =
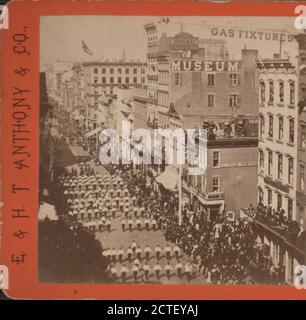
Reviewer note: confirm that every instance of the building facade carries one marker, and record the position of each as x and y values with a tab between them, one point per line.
192	84
281	159
277	148
100	79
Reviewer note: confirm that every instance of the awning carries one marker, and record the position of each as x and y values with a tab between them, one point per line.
169	178
47	210
94	131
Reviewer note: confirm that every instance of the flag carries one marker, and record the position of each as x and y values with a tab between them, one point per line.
86	49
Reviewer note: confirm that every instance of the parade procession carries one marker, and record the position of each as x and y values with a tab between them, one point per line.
108	217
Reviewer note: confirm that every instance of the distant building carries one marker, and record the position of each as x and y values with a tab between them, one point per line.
101	78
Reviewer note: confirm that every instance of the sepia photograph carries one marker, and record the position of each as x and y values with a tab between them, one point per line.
172	150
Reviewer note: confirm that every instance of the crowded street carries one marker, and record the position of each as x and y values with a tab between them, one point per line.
137	224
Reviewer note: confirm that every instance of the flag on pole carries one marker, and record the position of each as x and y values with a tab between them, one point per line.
86	49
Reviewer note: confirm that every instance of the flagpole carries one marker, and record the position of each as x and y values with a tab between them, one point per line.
180	194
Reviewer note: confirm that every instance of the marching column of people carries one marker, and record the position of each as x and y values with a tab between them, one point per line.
222	251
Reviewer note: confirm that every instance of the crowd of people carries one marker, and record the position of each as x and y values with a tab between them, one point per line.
221	250
134	263
278	218
218	250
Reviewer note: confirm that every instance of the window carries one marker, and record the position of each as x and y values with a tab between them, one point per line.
234	79
142	79
216	159
127	70
271	91
119	80
292	92
119	70
290	170
95	70
103	70
211	79
111	79
303	137
291	130
261	159
279	201
280	128
111	70
233	100
177	79
290	208
261	126
280	167
103	80
127	80
302	178
281	91
142	70
95	79
262	92
260	195
135	70
270	126
211	100
216	184
269	197
270	162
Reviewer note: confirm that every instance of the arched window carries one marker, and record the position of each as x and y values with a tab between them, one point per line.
261	158
271	126
291	130
262	92
271	91
279	166
260	195
290	170
279	201
292	92
261	126
281	91
270	162
269	196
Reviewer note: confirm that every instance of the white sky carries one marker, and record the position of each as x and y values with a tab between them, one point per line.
107	36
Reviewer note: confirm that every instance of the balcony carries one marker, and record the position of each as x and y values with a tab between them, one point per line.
208	196
287	231
215	196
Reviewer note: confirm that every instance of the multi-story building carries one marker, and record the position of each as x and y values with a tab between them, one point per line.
192	84
229	182
281	158
100	79
278	115
191	80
